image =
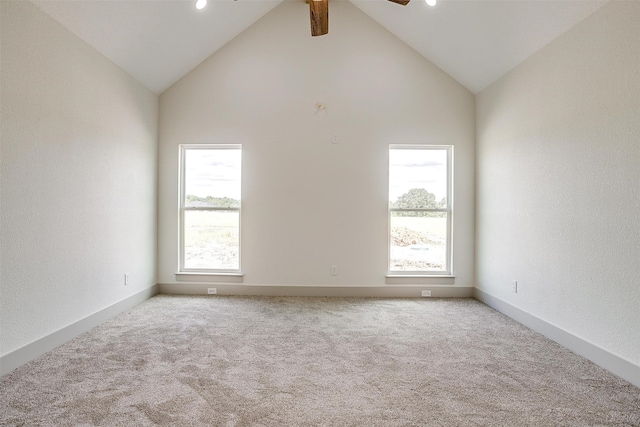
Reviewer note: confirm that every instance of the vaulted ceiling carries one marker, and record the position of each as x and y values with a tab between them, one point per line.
474	41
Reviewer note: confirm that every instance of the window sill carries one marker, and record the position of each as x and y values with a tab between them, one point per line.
196	276
420	279
419	275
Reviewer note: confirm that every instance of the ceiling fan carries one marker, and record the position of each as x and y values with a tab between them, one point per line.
319	10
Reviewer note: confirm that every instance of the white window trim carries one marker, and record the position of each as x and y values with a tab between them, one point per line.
181	210
448	272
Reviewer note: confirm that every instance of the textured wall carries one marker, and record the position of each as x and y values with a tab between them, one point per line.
308	203
558	182
78	179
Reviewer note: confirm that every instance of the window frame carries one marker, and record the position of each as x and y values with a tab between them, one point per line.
182	209
448	271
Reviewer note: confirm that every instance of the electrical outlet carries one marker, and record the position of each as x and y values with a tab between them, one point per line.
514	286
426	293
126	279
212	291
334	270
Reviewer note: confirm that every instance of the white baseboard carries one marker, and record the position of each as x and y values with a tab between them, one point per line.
615	364
19	357
392	291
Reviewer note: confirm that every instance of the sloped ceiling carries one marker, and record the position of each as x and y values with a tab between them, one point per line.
474	41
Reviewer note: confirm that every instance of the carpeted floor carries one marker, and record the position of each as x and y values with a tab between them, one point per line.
254	361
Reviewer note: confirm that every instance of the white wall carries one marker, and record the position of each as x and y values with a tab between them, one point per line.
78	179
308	203
558	183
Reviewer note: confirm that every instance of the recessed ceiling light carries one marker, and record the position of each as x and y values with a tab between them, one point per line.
201	4
431	2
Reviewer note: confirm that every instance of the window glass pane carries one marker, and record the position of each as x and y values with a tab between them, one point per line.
212	178
418	178
418	241
212	240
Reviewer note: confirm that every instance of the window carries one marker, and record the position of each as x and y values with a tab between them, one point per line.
420	209
210	208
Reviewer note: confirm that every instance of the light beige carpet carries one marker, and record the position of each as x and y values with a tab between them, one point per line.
250	361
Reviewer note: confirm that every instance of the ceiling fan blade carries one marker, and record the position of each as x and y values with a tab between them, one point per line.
319	10
402	2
